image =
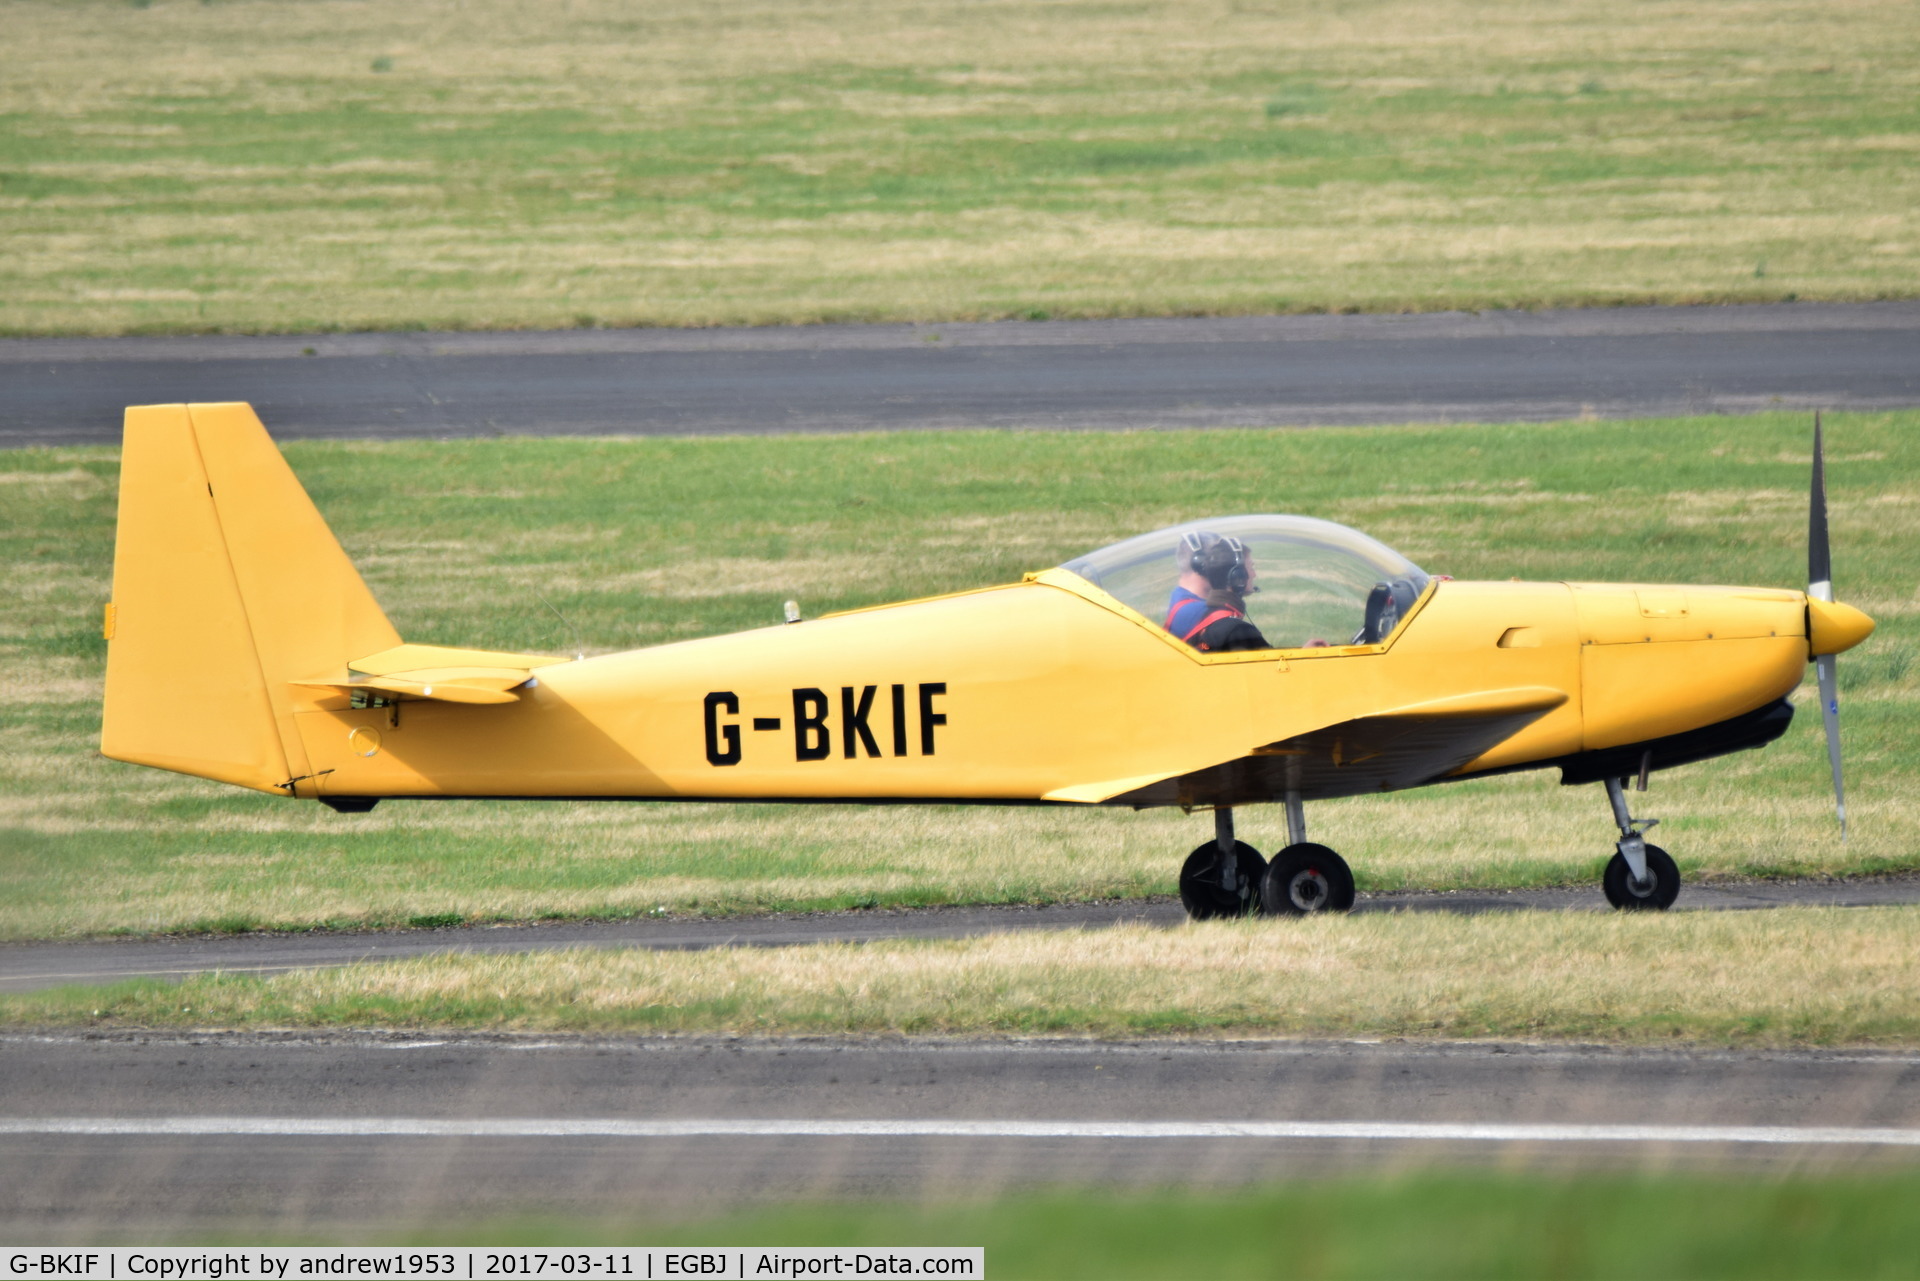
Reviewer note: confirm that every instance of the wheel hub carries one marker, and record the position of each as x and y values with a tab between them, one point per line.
1308	890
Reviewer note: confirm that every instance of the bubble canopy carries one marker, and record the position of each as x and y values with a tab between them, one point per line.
1313	582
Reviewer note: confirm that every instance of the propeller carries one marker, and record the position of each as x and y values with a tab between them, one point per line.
1820	588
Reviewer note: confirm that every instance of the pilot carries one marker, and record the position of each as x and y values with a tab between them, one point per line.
1208	609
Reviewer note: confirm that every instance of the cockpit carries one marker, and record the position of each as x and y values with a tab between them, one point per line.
1308	582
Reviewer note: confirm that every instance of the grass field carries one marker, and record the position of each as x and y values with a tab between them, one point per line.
270	165
639	541
1790	977
1423	1225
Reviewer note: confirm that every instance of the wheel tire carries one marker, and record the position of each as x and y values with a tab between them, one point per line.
1200	891
1657	897
1304	879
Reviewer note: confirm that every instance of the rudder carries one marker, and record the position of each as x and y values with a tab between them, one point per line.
228	587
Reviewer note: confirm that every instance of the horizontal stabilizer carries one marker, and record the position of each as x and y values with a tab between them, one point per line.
413	658
444	685
436	673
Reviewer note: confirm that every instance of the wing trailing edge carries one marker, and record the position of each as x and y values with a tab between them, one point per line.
1383	751
1094	793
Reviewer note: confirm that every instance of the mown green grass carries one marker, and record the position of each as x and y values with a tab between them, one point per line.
256	165
1422	1225
490	543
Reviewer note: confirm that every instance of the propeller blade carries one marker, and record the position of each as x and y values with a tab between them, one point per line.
1820	587
1819	554
1830	712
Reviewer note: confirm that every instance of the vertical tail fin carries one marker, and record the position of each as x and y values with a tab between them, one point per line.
227	588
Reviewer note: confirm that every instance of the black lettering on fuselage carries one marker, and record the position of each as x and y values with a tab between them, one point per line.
853	718
811	741
718	701
813	730
928	717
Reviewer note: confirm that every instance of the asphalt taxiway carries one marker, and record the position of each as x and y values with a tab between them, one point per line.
1209	372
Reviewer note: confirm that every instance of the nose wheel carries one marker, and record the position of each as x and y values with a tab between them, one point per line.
1653	892
1639	877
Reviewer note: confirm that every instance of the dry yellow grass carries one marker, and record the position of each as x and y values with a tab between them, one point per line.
1794	976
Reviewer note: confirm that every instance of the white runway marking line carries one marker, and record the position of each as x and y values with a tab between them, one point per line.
1449	1131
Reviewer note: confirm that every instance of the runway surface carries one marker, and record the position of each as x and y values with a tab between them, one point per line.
26	967
109	1137
1286	370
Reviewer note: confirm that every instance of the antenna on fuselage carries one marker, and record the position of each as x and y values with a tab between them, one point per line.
579	650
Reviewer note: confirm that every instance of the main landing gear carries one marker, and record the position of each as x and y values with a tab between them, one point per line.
1226	877
1639	877
1222	877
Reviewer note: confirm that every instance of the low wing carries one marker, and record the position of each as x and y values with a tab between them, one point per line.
1383	752
438	673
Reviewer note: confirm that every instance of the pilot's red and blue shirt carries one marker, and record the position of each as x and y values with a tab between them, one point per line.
1210	627
1184	612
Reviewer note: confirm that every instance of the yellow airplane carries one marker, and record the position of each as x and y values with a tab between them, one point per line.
244	647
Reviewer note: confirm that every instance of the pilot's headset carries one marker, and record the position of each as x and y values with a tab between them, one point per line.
1220	559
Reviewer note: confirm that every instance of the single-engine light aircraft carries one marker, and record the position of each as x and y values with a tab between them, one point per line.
244	647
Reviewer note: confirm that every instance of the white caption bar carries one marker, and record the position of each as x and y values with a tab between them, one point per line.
461	1263
588	1128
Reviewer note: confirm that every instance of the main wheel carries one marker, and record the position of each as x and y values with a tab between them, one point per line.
1201	892
1662	885
1306	878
